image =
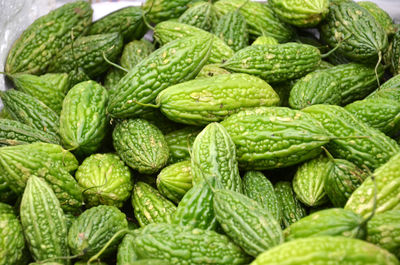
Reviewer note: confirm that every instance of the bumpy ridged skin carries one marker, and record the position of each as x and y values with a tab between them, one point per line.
381	16
393	82
48	88
160	10
379	113
150	206
140	145
12	241
307	13
86	53
4	114
201	15
41	41
338	85
260	18
175	180
179	142
326	250
210	70
112	77
54	152
173	63
169	30
384	231
388	90
274	137
134	52
31	111
196	207
214	154
201	101
246	222
126	253
128	21
15	133
19	163
93	229
372	148
275	63
182	245
395	54
83	119
291	208
361	37
105	179
150	262
342	179
43	222
257	187
232	29
387	179
308	182
265	40
329	222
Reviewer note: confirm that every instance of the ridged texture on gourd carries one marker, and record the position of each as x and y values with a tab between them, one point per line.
168	31
50	162
342	178
201	101
201	15
184	245
43	222
175	180
265	40
380	15
214	154
274	137
105	179
31	111
379	113
232	29
390	89
326	250
196	207
179	142
150	206
15	133
307	13
338	85
12	242
384	231
126	252
134	52
365	146
127	21
387	180
83	119
86	54
329	222
173	63
48	88
260	18
94	228
395	54
160	10
292	209
308	182
140	145
246	222
257	187
40	42
275	63
360	36
210	70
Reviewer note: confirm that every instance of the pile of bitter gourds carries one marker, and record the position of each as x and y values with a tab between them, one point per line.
244	133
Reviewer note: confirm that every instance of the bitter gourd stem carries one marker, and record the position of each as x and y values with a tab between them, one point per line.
114	64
